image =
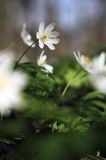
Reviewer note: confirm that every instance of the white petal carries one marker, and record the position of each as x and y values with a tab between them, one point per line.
19	78
29	43
42	58
41	28
51	46
37	35
99	82
53	34
77	56
49	28
41	44
89	69
99	62
6	60
53	40
42	53
49	68
101	59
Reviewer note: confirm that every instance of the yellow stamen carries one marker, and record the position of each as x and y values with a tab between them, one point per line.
44	37
86	60
45	62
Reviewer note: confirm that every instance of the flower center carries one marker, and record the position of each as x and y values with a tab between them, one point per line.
86	60
44	37
45	62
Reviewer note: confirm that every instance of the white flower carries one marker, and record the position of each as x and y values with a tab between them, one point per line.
98	78
84	61
41	61
98	63
11	85
96	69
26	37
47	36
99	82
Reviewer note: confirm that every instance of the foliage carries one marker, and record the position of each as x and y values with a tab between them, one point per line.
55	125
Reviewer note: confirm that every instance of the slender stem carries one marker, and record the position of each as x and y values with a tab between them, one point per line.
25	52
68	84
65	89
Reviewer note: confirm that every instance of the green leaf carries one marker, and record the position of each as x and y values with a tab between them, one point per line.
75	79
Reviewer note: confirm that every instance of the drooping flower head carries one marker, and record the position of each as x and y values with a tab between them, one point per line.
11	84
42	61
47	36
26	37
84	61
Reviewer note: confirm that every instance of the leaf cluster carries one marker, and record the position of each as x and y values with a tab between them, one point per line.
54	125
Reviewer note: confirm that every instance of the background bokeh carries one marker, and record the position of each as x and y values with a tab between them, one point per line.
82	24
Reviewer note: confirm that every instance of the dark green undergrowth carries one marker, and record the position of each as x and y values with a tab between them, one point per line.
56	124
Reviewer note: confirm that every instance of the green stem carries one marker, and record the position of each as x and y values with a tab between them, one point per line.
68	84
25	52
65	89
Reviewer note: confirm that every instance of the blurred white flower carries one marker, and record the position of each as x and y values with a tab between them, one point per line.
47	36
98	63
90	65
96	69
11	84
99	82
84	61
98	78
41	61
26	37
